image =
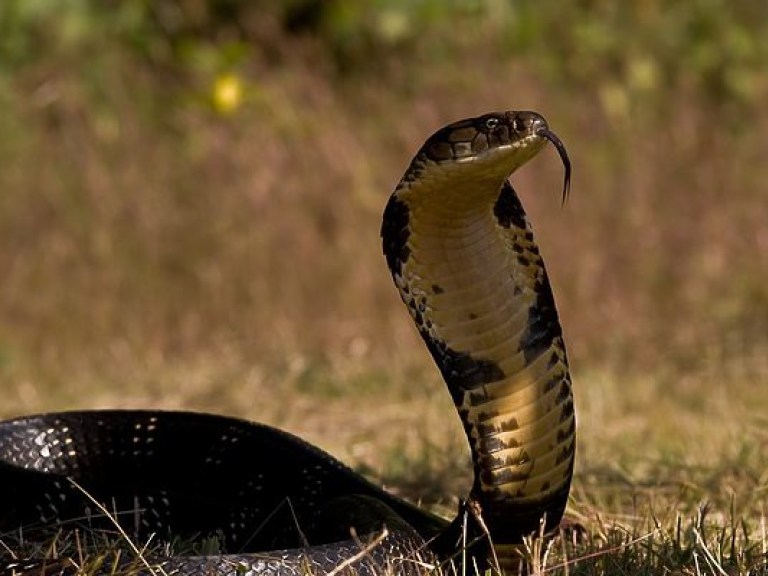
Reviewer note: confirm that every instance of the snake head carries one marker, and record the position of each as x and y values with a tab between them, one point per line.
499	142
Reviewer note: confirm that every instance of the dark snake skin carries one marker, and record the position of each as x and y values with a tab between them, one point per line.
185	474
462	255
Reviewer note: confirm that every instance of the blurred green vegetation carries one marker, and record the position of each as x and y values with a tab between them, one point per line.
714	46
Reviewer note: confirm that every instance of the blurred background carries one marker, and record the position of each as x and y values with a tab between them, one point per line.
191	194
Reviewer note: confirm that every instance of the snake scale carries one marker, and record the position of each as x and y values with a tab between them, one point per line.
463	258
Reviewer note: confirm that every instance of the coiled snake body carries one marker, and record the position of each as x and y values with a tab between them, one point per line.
462	255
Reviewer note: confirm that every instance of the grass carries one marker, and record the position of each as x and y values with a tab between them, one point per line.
156	253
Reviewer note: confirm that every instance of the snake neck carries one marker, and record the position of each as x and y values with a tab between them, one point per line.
467	267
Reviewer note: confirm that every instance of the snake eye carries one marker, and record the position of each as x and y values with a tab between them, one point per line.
492	123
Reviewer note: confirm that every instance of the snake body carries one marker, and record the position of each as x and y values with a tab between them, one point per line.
228	486
463	258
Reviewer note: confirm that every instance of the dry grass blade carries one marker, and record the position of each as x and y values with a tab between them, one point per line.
364	551
139	553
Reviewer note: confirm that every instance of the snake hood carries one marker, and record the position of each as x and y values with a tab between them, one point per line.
462	255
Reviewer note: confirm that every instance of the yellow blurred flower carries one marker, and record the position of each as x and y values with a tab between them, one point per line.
227	93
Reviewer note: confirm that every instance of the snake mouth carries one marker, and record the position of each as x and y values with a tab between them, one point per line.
545	132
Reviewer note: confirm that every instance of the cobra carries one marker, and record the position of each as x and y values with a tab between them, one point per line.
463	258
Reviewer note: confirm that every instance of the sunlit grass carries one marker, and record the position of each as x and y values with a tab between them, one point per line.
664	482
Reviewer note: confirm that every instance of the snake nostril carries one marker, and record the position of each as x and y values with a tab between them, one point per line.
537	124
528	122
